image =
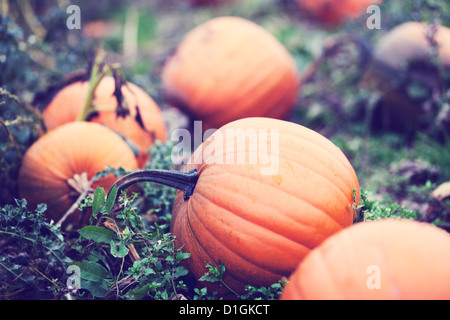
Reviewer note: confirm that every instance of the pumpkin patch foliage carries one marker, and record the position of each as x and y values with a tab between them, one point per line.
320	168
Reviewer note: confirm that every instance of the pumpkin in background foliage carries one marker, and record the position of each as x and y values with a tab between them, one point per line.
58	167
407	68
268	192
141	127
332	13
230	68
381	259
413	41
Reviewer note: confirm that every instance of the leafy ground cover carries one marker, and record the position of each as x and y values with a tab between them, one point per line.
397	170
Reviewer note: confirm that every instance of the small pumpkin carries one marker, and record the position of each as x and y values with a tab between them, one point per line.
415	39
59	166
230	68
403	60
333	13
257	218
141	127
381	259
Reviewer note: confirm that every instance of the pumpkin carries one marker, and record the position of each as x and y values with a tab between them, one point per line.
403	59
258	195
380	259
141	127
58	167
230	68
333	13
415	45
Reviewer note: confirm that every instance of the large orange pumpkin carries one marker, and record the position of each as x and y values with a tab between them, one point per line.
58	167
141	127
336	12
384	259
405	58
258	195
230	68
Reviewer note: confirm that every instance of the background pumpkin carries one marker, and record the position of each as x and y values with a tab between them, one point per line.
412	258
141	129
260	226
62	154
335	12
230	68
404	57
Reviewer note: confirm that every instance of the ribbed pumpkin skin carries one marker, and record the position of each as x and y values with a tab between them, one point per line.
230	68
70	149
67	105
412	257
335	12
261	226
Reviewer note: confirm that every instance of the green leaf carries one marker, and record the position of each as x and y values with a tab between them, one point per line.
180	272
181	256
149	271
98	201
97	289
92	271
222	268
212	275
111	199
97	234
41	208
118	251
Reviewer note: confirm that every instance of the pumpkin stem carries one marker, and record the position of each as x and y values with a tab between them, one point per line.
185	181
98	72
94	80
